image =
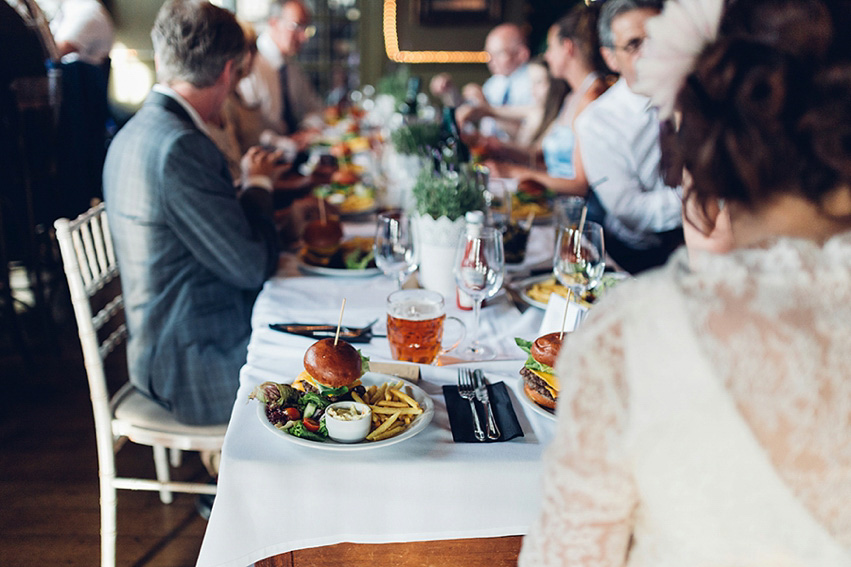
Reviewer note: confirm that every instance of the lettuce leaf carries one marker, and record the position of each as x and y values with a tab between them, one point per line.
531	363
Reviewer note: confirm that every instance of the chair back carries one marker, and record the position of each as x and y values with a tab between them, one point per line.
93	281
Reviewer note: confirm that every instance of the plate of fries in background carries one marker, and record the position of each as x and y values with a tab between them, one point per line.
536	291
400	410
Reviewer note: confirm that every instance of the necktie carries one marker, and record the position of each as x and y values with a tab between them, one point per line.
507	94
287	114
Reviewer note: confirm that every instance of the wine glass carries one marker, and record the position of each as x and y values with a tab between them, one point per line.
479	270
579	258
394	246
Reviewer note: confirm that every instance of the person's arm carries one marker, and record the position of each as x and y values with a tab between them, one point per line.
589	494
557	184
616	181
233	237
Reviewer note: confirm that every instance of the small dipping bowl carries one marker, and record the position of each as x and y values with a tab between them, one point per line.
348	422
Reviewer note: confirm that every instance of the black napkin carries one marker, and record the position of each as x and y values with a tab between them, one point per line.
461	420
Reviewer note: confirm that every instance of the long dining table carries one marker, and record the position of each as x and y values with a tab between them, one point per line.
424	500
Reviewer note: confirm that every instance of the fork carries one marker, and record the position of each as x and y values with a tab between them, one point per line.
466	389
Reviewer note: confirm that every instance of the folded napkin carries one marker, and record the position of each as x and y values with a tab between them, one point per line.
461	420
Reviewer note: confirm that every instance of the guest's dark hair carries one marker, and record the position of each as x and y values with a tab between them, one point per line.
580	26
556	94
613	8
193	40
767	110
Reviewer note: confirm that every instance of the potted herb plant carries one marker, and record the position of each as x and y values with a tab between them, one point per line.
442	196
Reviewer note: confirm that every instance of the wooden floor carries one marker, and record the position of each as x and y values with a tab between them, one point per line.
49	513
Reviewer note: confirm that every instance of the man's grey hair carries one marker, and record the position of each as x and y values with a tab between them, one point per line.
613	8
193	40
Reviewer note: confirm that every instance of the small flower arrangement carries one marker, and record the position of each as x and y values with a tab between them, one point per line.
452	193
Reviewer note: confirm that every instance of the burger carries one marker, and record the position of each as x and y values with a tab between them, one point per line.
322	241
539	380
331	370
531	191
344	178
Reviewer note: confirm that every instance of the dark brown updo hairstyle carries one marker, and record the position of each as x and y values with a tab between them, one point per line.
767	109
580	26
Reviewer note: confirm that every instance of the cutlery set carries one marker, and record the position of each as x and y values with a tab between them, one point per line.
472	386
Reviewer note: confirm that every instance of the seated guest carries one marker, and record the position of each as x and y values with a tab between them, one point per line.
620	151
548	95
572	54
706	420
193	253
291	108
508	85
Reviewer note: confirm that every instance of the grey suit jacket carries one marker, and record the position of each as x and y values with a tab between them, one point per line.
192	252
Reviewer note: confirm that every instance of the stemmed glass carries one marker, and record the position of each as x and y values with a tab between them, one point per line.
479	270
395	254
579	258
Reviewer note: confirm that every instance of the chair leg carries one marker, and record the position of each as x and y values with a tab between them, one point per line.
161	464
108	513
175	457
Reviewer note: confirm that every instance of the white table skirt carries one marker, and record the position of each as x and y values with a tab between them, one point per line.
275	496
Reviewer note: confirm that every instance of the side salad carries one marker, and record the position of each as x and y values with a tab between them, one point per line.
296	412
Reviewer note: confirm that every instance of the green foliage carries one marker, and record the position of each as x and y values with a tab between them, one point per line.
395	84
417	138
450	193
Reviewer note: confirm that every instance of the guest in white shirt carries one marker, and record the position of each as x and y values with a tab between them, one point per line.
277	84
620	151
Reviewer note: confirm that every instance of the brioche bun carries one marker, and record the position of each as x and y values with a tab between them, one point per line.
545	348
333	365
323	236
344	177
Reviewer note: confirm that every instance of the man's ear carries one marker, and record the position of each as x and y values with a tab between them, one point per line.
609	57
227	72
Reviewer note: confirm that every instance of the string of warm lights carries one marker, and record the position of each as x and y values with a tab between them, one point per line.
391	46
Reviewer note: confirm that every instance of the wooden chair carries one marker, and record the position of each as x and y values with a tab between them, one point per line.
93	280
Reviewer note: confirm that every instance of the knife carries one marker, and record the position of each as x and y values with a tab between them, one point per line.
484	398
320	331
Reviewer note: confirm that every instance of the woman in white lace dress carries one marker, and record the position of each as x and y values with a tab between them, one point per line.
705	416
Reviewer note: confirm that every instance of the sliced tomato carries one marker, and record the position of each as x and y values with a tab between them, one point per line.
292	414
310	424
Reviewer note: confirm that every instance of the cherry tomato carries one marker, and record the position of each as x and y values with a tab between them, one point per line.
310	424
292	414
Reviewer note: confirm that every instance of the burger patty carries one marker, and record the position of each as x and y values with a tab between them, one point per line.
533	381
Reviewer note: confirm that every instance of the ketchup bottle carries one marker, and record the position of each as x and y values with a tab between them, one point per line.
475	222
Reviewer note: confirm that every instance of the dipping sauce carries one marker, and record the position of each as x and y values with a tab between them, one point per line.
346	413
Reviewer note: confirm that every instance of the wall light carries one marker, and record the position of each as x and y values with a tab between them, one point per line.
391	46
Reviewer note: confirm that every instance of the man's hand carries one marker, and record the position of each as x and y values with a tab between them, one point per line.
473	93
263	162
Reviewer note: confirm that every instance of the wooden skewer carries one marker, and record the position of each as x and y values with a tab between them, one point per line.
529	220
582	220
339	322
564	316
322	218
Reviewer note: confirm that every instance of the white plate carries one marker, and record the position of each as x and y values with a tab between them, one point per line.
337	272
368	379
526	284
530	404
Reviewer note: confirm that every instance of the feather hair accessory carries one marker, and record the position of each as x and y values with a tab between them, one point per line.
675	38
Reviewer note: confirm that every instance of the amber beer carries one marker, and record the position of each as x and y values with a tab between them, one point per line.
415	325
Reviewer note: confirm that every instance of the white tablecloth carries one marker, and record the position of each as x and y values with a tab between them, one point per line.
275	496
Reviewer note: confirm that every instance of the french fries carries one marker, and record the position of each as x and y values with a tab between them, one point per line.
393	410
541	291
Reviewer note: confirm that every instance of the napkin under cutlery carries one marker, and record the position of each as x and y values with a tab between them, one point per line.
461	421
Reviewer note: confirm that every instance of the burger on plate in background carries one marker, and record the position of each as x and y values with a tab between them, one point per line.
540	383
322	241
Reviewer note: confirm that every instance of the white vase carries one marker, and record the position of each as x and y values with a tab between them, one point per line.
436	241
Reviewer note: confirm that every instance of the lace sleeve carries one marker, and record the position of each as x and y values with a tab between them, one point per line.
588	495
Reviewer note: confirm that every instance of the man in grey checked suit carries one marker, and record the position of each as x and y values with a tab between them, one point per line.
192	251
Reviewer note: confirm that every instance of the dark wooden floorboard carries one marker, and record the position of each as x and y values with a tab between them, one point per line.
49	512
